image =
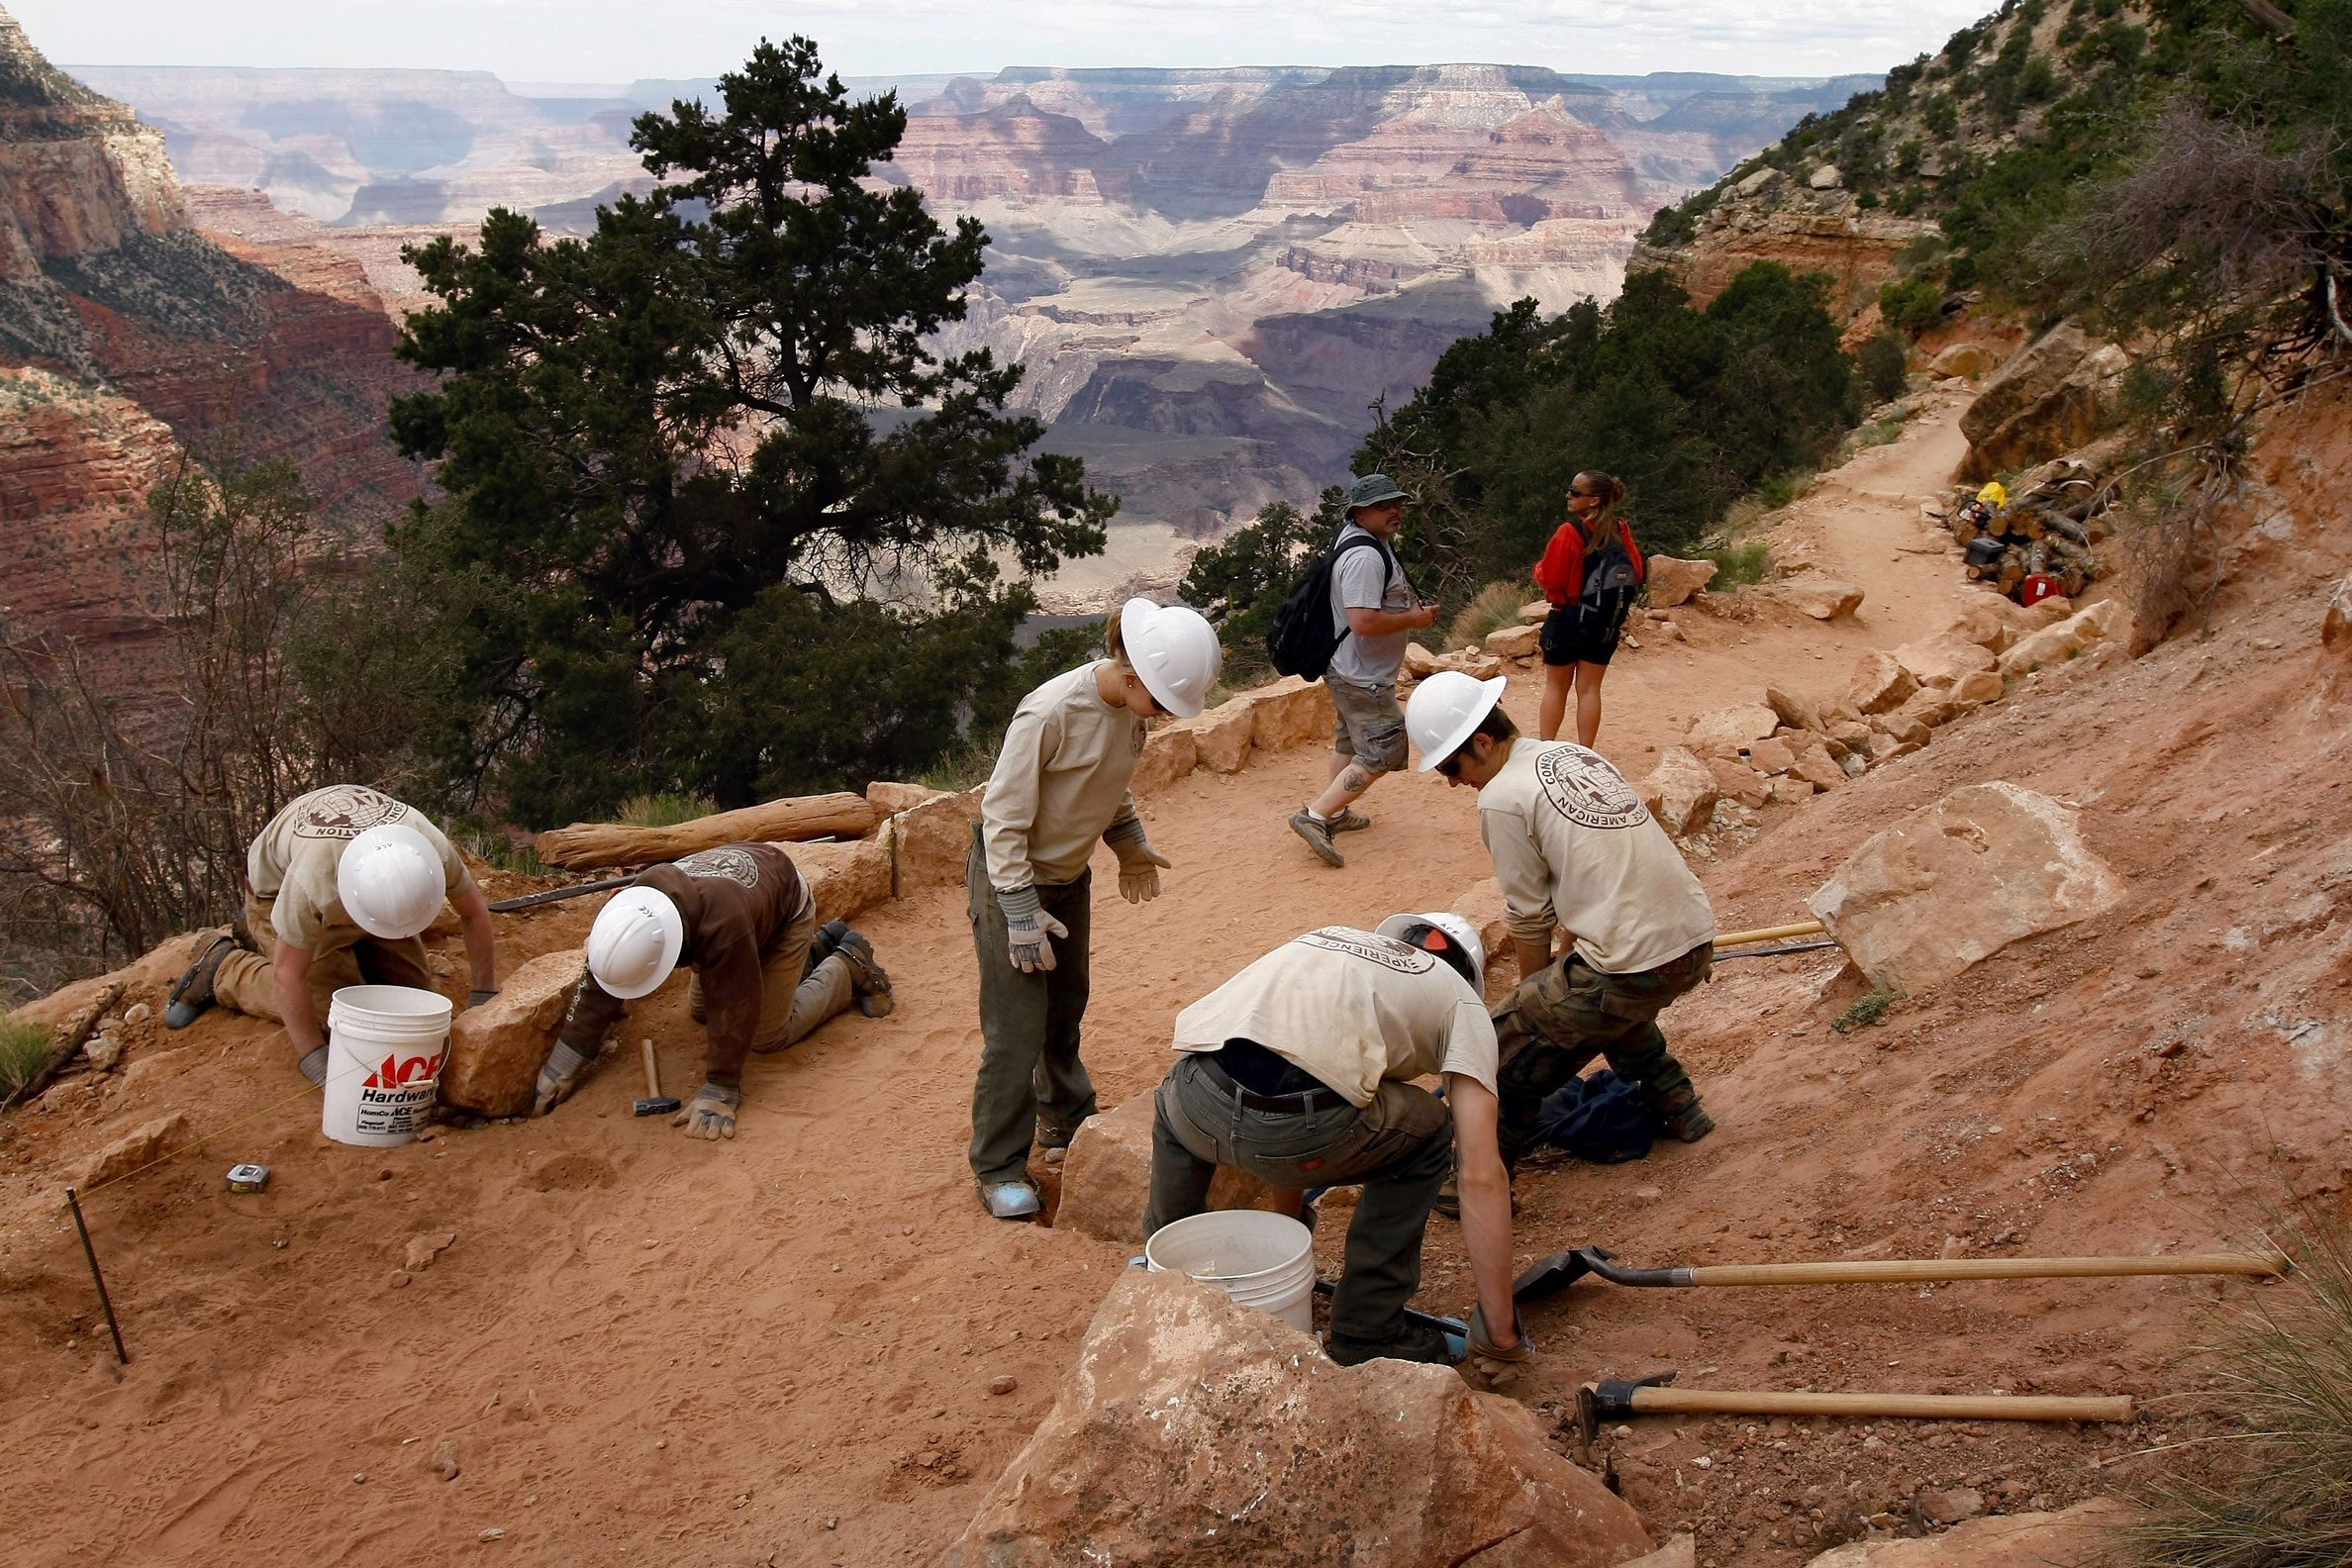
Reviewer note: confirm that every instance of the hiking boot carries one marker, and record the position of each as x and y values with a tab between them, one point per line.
1350	821
1010	1200
827	941
1450	1201
194	992
1414	1341
1681	1116
866	977
1317	835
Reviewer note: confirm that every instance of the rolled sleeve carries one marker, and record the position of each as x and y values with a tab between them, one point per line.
1471	1048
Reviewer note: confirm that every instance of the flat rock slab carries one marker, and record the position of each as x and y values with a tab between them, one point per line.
1106	1177
2080	1537
495	1049
1955	882
1196	1433
142	1145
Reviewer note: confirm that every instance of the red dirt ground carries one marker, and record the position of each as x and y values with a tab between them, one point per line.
780	1349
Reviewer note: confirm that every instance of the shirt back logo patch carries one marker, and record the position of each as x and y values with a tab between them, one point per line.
1585	789
734	866
1386	951
346	812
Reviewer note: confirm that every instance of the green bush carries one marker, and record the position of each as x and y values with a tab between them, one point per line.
1884	363
1869	1010
665	810
24	1051
1738	565
1911	306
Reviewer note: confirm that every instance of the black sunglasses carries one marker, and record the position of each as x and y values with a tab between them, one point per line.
1451	767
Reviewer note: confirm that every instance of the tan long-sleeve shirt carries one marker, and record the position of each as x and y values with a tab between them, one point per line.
1060	782
1574	846
295	859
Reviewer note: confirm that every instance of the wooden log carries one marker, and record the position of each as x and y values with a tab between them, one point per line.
2068	529
586	845
71	1036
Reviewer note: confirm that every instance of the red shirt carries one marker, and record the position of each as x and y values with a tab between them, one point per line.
1560	574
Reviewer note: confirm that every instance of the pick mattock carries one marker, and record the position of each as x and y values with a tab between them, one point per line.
1549	1275
1617	1399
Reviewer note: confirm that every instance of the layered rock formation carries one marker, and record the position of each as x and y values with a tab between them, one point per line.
1208	274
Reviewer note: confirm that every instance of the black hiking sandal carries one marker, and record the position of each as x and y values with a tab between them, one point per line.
1682	1117
193	993
1414	1341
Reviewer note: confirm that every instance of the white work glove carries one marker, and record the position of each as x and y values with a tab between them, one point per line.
314	1066
1493	1365
1140	864
1027	930
558	1076
711	1113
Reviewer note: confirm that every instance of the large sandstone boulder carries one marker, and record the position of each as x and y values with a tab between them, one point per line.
1169	755
143	1145
1957	881
2084	1536
1221	734
1822	598
1288	713
1879	683
1729	730
2051	397
1680	792
1106	1177
1673	580
2109	621
888	795
846	878
1941	660
935	838
1798	713
495	1049
1514	641
1195	1434
1965	361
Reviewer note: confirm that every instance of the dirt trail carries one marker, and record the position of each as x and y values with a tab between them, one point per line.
781	1350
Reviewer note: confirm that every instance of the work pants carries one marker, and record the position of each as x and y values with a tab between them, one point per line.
1398	1149
793	998
345	955
1562	1017
1031	1082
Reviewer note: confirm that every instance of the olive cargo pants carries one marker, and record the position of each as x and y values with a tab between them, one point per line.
1029	1071
1560	1017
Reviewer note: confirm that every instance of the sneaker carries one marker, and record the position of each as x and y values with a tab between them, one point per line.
1010	1200
194	992
1414	1341
866	977
1350	821
1450	1201
1682	1117
1317	835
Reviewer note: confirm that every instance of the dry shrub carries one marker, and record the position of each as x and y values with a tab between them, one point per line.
2171	556
1490	609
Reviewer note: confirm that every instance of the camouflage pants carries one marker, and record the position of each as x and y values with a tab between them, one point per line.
1561	1017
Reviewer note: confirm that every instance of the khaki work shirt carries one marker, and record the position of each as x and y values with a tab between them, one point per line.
1060	782
294	860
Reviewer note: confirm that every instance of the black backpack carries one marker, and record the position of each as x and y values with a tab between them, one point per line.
1301	640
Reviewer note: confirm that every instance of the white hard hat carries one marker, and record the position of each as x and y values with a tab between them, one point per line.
390	881
1445	708
1457	929
633	945
1174	650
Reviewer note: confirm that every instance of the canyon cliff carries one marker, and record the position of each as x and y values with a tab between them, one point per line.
1209	275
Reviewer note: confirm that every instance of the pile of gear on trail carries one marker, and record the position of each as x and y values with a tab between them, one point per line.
2033	542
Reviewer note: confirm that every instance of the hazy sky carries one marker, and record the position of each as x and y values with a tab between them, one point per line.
608	40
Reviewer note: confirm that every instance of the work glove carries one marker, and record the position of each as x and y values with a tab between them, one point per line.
558	1076
1027	930
480	995
1493	1365
1138	874
314	1066
711	1113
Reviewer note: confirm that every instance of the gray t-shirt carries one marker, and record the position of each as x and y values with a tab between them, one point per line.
1363	582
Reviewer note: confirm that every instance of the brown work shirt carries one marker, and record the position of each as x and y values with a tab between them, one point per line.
735	901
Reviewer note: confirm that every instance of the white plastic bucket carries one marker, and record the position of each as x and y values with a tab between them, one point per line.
1262	1260
385	1045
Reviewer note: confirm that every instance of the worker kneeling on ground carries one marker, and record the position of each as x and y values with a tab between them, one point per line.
1296	1071
340	887
744	920
1574	847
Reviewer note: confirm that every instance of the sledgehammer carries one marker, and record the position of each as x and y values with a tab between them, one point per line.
1552	1274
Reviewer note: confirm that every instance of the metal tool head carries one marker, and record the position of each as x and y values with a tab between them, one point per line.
1556	1271
1612	1399
661	1105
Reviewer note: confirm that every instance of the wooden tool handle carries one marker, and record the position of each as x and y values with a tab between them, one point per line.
1918	1406
1919	1269
1769	933
652	1070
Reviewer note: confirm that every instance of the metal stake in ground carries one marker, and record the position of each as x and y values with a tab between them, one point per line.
73	1201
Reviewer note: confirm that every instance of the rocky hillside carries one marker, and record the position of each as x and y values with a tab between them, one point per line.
125	332
1209	273
1867	192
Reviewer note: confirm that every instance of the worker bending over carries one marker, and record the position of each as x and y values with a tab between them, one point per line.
1298	1070
1574	847
743	919
338	888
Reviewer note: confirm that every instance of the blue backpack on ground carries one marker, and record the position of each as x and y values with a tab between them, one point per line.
1602	1119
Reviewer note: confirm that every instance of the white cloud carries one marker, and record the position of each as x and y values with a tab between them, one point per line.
612	41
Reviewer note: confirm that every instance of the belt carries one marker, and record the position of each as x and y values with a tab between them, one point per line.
1298	1104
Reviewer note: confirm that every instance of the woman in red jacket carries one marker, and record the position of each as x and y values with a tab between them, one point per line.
1589	573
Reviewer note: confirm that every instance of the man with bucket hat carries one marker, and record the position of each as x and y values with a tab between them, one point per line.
1574	849
1374	612
743	919
338	888
1300	1070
